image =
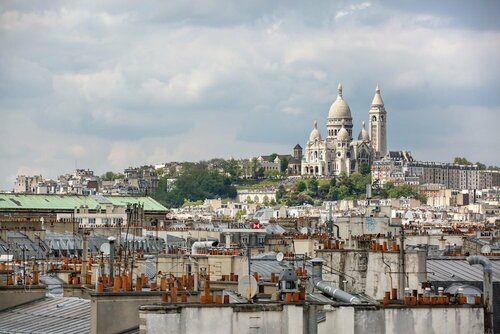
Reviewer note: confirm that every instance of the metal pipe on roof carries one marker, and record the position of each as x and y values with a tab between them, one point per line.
482	260
487	288
111	257
327	288
85	249
202	244
312	321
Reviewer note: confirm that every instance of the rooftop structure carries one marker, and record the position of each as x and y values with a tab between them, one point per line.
69	202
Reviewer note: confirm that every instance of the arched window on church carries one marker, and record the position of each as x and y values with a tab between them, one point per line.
315	154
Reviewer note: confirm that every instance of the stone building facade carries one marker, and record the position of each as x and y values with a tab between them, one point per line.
339	152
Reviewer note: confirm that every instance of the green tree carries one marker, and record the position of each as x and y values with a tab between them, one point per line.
333	194
272	157
304	199
272	173
461	161
481	166
232	168
364	169
300	186
323	191
110	176
195	183
257	169
344	192
333	182
342	179
281	193
388	186
359	183
312	186
240	213
284	165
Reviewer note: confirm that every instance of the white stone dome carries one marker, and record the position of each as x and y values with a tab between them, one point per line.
315	135
363	134
339	108
343	134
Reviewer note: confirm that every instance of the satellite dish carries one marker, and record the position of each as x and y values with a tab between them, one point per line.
247	286
105	248
304	230
486	249
280	257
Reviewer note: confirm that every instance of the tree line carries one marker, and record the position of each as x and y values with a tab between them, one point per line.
217	178
480	166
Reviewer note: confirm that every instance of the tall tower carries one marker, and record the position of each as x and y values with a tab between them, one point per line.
297	152
339	116
378	125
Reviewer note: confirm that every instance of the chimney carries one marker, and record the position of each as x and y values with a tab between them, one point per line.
111	257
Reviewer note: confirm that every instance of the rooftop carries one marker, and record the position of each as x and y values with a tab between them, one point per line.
453	269
69	202
48	315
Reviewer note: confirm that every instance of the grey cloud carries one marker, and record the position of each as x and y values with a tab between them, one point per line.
144	83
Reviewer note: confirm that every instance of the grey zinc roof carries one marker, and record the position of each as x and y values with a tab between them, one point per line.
49	315
267	266
17	241
458	270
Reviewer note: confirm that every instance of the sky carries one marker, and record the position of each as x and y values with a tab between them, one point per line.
106	85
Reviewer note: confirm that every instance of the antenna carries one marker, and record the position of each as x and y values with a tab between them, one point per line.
105	248
247	286
486	249
280	256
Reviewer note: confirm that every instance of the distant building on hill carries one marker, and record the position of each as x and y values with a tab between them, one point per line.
340	152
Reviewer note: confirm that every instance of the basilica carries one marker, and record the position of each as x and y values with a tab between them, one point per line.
339	152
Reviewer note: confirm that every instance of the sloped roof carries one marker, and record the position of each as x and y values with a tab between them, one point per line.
35	201
48	315
69	202
149	203
458	270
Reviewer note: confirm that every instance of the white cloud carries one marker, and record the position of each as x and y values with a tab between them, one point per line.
351	9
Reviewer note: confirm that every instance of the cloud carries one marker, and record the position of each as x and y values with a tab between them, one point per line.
113	86
351	9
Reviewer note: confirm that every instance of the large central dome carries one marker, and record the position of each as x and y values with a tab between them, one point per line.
339	108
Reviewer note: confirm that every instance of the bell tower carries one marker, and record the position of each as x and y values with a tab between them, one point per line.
378	125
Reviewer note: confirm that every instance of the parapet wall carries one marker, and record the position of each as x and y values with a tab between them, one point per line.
279	318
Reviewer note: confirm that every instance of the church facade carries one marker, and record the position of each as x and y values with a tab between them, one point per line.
339	152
